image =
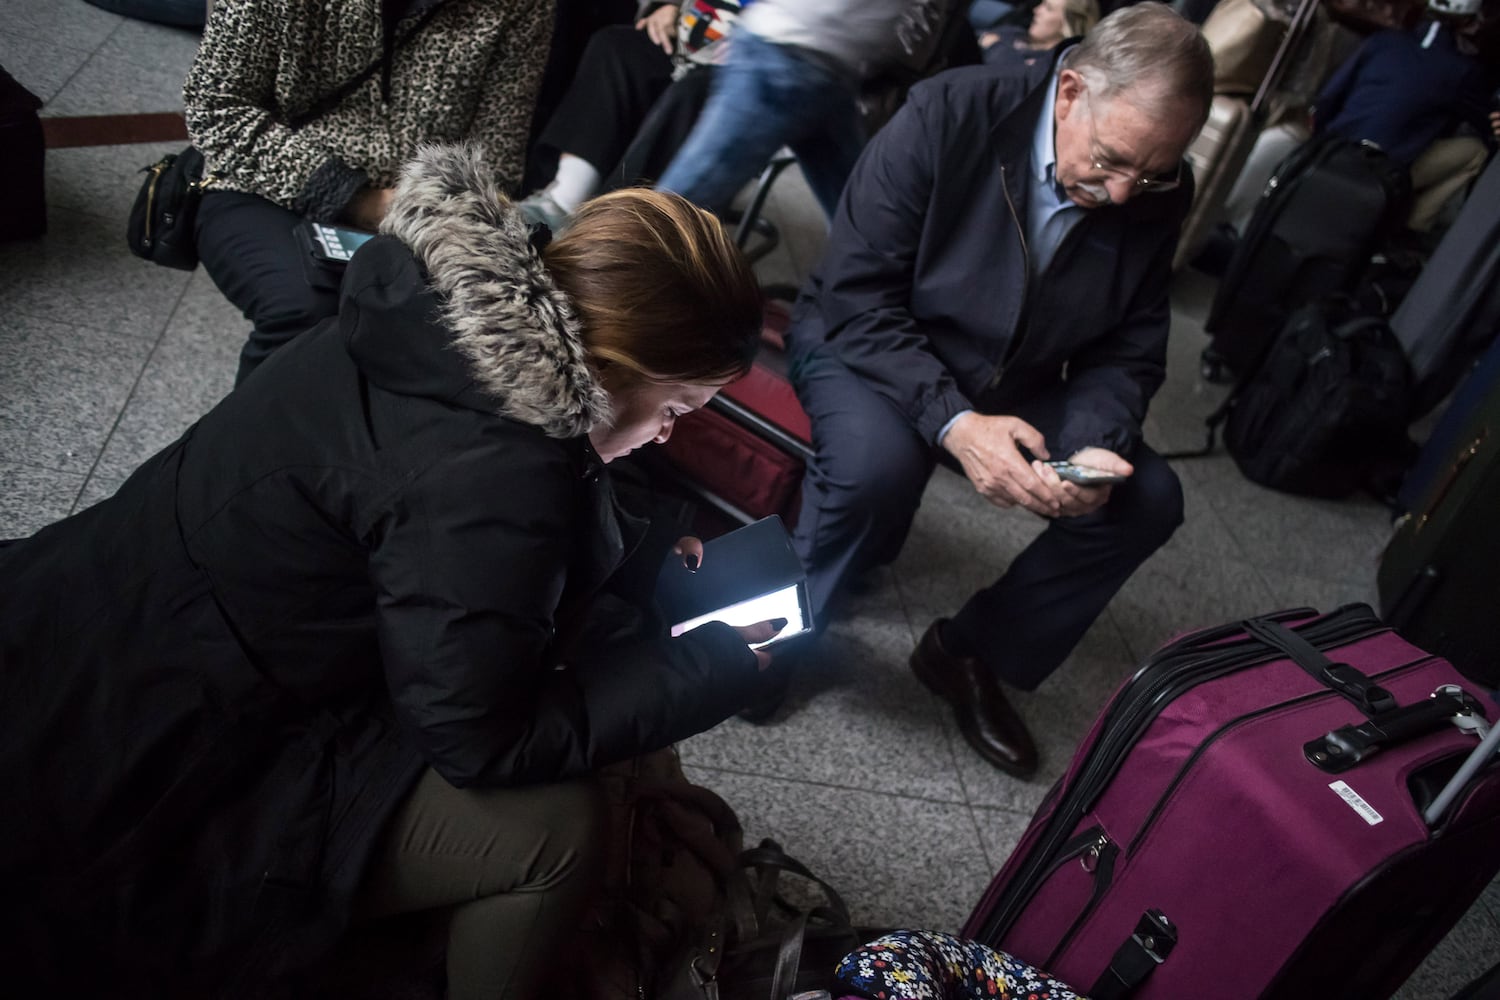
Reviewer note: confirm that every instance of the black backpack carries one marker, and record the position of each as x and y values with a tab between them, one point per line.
1325	412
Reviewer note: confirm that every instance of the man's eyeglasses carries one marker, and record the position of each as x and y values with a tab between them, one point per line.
1108	165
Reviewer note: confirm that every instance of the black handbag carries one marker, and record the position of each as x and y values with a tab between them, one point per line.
160	228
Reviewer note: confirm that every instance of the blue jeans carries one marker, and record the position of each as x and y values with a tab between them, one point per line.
768	96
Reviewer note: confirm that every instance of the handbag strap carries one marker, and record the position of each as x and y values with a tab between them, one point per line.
769	861
788	958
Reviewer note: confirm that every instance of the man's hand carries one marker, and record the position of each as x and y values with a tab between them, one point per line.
368	207
988	447
1495	123
661	26
1075	500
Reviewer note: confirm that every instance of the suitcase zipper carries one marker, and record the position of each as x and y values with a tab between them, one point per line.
1160	679
1135	842
1099	861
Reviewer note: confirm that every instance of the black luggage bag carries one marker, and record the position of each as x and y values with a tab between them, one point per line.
1437	577
1330	205
22	155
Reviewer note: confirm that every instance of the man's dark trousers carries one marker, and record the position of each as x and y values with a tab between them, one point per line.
863	489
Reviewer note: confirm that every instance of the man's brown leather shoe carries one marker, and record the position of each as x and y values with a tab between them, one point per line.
985	717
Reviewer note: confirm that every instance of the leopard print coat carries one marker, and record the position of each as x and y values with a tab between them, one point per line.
470	72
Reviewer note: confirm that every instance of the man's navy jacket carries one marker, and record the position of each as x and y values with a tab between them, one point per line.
923	289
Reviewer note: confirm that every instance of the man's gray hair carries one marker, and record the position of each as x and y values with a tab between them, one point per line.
1149	49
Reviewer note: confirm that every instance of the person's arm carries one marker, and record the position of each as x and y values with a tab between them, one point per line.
466	591
502	119
867	272
1331	99
225	101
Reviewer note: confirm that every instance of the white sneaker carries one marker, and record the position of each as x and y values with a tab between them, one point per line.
539	206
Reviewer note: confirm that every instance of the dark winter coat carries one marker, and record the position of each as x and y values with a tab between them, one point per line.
218	683
925	288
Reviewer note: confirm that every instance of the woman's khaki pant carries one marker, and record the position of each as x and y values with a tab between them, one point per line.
516	866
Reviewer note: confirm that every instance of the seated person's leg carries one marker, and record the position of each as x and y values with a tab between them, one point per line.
1027	623
516	865
664	131
247	246
827	151
1443	169
862	490
621	75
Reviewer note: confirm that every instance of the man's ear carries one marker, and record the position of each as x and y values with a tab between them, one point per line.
1070	87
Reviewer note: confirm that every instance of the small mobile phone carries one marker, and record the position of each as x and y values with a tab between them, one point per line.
1085	475
326	251
334	244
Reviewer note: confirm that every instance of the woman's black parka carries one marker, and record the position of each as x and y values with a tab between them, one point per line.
216	685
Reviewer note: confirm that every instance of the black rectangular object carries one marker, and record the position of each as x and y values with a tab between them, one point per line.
746	563
1324	212
1437	576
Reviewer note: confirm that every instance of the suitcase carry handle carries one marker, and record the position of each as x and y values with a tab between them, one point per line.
1338	751
1369	697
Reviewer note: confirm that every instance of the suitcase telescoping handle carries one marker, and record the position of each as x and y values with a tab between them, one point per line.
1482	755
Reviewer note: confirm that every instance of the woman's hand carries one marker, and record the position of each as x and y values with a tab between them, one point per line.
761	632
661	26
691	550
368	207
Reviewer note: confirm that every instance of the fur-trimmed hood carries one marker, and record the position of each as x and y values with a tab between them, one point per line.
516	331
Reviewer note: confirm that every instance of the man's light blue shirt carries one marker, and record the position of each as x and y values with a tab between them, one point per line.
1049	211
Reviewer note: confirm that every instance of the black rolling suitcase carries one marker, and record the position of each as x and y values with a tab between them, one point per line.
1324	212
21	162
1453	309
1437	577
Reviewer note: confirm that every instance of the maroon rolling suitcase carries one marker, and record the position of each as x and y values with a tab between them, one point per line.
1288	807
745	452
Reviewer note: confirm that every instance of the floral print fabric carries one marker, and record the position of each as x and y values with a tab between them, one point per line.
923	965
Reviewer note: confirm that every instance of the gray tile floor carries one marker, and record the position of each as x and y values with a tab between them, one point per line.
104	359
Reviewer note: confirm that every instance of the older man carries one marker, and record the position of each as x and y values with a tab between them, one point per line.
994	293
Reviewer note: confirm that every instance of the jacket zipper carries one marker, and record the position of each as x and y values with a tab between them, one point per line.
1173	670
1021	319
